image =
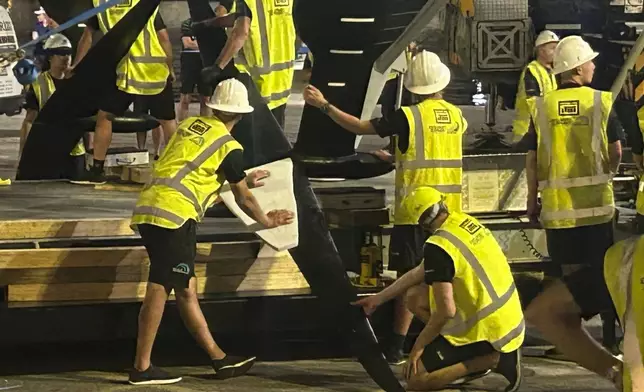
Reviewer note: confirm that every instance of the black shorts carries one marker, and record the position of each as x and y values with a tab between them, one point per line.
160	106
116	101
74	167
191	67
585	245
406	248
640	223
172	253
440	353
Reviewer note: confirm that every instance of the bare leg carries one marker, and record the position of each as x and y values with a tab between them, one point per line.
102	135
156	140
203	109
169	128
141	138
418	302
423	381
556	315
195	321
402	317
149	319
184	106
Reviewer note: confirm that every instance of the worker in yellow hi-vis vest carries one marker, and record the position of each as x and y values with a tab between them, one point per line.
536	80
262	42
429	152
200	157
465	294
624	274
637	148
574	150
145	70
58	52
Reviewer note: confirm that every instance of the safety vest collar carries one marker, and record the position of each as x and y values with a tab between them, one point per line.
176	183
597	141
420	161
460	326
266	67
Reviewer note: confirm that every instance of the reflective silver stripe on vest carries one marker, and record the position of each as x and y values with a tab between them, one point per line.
420	162
266	67
45	92
175	181
277	96
642	185
539	78
161	213
404	191
597	141
578	213
462	327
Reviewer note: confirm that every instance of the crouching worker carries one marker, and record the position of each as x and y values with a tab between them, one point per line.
465	294
187	178
58	50
624	274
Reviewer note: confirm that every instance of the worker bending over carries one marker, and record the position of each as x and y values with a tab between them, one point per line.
574	151
200	157
536	80
624	273
465	294
637	149
58	54
262	41
143	71
429	152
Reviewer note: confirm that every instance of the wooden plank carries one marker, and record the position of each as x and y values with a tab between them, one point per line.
64	228
116	256
134	290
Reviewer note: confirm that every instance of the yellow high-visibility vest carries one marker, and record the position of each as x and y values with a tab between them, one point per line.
268	55
143	71
43	88
572	157
546	81
434	156
640	193
487	301
624	275
186	181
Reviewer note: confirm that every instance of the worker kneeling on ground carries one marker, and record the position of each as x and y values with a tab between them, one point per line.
465	293
58	51
574	151
200	157
624	274
536	80
638	150
429	152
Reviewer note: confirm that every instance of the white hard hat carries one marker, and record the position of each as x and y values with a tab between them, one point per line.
570	53
426	74
40	11
230	96
546	37
57	41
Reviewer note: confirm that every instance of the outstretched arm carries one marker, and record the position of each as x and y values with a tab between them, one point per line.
315	98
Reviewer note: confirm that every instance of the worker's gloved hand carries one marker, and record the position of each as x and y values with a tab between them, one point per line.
213	75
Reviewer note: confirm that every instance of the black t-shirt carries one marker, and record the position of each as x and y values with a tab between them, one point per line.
233	167
531	85
186	31
637	144
159	24
439	266
32	101
241	10
394	124
614	130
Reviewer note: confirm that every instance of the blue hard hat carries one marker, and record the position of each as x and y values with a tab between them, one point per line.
25	71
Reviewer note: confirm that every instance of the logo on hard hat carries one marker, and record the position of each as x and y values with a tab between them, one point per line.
569	108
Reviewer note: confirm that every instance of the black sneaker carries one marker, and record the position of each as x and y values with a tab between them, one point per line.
395	357
152	376
510	367
91	177
232	366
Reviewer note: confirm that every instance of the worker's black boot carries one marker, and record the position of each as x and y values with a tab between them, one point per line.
510	368
94	176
